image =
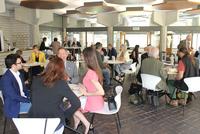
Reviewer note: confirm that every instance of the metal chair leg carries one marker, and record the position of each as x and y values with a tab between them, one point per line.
73	130
119	120
91	122
117	124
4	127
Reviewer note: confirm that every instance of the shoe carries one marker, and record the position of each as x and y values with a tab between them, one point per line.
174	103
117	77
182	102
122	74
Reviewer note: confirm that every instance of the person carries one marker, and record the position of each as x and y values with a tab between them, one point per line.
66	42
111	52
152	65
188	66
55	45
16	95
70	67
48	91
37	56
186	43
134	54
122	56
76	43
92	82
24	70
143	56
20	53
104	51
42	46
100	57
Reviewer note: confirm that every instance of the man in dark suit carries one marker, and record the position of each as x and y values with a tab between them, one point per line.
15	94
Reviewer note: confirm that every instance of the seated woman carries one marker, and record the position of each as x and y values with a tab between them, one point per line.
48	91
37	56
187	67
135	53
92	82
122	56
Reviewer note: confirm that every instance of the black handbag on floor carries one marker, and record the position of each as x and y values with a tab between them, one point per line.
112	103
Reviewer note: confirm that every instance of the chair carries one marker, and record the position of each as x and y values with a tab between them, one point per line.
129	72
105	110
5	119
150	81
192	83
133	69
38	125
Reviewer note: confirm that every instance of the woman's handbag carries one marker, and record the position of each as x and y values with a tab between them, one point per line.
112	103
65	104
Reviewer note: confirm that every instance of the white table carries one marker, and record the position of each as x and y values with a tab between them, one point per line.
114	62
75	88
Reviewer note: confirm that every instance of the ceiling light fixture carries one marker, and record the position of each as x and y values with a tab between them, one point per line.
175	4
94	8
43	4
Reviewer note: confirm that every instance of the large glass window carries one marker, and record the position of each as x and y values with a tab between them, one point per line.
93	37
46	34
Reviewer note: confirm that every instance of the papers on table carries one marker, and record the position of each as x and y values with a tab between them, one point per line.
75	88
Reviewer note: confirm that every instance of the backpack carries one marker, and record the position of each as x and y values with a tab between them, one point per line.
135	88
135	99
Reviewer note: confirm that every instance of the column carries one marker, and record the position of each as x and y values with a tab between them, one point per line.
36	35
110	35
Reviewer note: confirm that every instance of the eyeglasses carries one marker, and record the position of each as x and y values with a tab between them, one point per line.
19	63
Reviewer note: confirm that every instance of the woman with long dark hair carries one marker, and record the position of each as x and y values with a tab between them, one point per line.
135	53
92	81
48	91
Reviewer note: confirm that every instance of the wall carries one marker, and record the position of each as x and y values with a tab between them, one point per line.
15	31
56	23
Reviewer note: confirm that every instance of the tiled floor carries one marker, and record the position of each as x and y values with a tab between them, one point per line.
144	119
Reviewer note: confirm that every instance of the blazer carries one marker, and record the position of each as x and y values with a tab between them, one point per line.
46	101
155	67
42	58
72	71
11	94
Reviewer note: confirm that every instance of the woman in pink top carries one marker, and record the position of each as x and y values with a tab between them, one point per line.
92	81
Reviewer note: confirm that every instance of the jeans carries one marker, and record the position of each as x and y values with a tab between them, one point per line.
106	76
120	67
24	107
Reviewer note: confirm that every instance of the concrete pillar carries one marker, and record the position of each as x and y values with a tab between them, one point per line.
36	35
2	6
163	38
110	35
164	18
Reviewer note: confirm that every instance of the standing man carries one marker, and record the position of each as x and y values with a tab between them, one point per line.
55	45
70	67
42	46
186	43
16	96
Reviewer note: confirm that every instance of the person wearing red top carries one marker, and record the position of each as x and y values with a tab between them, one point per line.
187	67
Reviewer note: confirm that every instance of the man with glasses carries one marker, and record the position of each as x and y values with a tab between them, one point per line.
16	96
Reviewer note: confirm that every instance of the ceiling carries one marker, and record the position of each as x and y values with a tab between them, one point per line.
73	4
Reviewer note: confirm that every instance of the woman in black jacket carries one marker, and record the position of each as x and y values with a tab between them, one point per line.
48	91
